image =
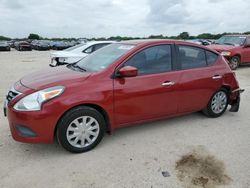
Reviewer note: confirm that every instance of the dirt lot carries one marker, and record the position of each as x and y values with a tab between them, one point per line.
189	151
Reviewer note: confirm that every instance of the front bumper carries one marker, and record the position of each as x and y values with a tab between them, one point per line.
235	103
32	127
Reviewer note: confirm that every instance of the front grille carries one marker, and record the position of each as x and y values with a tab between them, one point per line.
12	94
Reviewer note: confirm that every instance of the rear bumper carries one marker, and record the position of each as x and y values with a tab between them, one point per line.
235	103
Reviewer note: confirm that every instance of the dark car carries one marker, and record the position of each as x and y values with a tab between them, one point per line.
59	45
23	46
41	45
117	86
4	46
203	42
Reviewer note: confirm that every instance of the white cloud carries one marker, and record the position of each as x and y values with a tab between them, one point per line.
83	18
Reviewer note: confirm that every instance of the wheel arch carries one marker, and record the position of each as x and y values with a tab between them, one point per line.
238	55
94	106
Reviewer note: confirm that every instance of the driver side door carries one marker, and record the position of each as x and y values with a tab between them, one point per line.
150	95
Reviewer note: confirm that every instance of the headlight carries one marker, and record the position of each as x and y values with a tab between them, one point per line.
34	101
226	53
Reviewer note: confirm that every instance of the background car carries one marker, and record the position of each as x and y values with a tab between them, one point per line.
235	48
22	46
41	45
58	45
4	46
203	42
75	53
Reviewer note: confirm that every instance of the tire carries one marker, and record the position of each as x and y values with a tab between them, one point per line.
234	62
72	124
217	104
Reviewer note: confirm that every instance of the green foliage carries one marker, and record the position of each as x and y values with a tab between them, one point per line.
183	35
33	36
4	38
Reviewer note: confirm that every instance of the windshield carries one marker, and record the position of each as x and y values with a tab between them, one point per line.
104	57
74	47
231	40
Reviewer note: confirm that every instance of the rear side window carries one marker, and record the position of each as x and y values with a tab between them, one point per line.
211	57
191	57
152	60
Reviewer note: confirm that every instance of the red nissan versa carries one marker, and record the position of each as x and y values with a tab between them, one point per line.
119	85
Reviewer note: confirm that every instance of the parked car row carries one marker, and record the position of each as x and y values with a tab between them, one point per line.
235	48
36	45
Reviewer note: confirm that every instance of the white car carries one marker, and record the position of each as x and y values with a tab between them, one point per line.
76	53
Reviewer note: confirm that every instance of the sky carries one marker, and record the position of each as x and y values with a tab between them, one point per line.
134	18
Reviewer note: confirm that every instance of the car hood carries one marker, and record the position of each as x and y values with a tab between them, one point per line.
220	48
67	54
53	77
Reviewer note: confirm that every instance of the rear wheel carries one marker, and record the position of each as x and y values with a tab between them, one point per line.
81	129
234	62
217	104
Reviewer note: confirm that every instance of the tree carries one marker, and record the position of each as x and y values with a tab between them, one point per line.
183	35
4	38
34	36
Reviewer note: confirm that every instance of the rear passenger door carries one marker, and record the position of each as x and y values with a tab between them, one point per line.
199	77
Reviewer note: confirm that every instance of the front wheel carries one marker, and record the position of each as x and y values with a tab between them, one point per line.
81	129
234	62
217	104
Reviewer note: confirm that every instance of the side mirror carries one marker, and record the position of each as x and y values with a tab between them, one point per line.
127	71
247	45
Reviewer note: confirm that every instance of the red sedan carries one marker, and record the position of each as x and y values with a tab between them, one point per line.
120	85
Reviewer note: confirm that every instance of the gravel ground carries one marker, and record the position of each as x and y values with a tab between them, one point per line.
188	151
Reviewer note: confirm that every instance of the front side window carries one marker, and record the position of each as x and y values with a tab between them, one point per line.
152	60
191	57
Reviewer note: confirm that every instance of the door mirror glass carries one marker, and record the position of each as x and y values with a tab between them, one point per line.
127	71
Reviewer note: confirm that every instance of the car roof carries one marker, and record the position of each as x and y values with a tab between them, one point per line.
238	35
145	42
158	41
99	42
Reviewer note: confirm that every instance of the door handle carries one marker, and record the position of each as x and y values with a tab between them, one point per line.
216	77
168	83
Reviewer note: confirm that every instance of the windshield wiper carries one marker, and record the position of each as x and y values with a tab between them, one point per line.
76	67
